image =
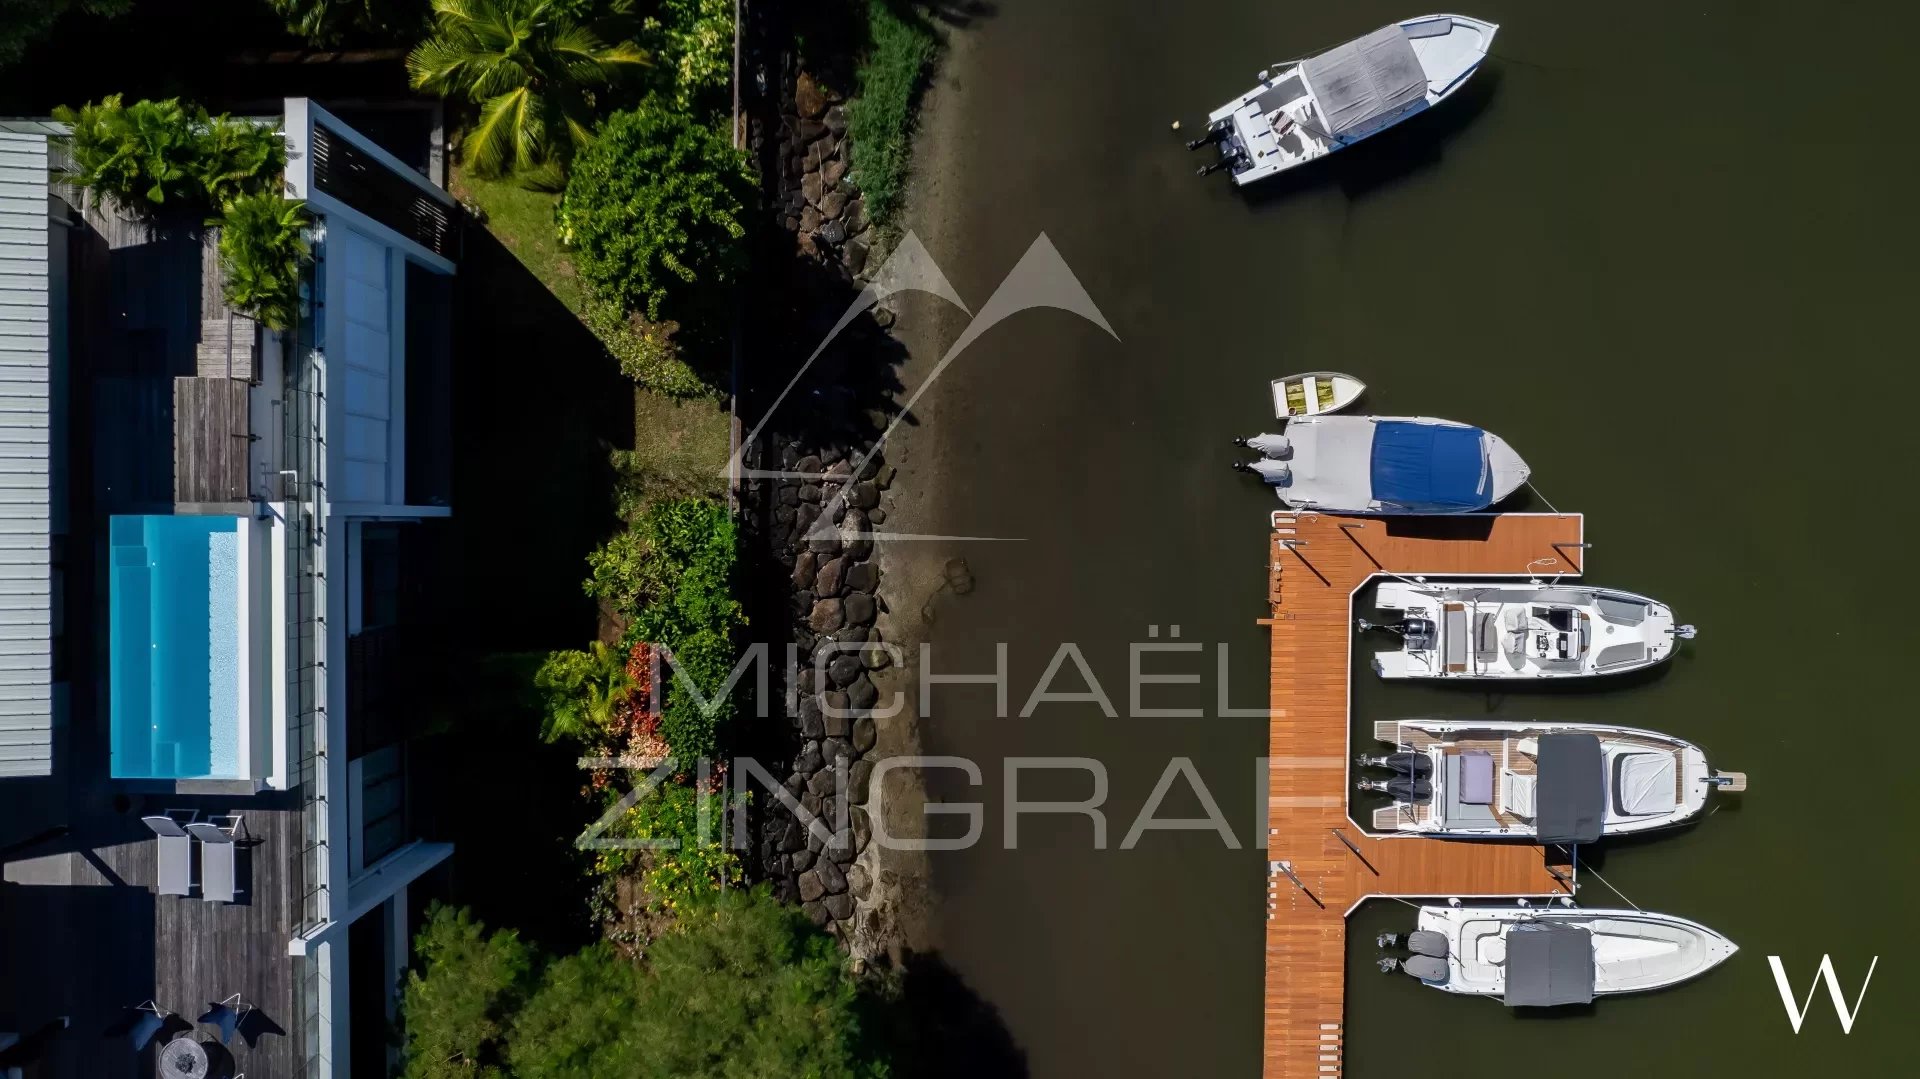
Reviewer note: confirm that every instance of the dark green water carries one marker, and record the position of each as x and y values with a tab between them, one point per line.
1653	245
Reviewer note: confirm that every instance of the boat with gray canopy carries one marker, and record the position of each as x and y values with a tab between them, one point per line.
1305	109
1543	782
1544	957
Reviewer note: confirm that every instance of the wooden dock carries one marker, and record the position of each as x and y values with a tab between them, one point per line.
1316	564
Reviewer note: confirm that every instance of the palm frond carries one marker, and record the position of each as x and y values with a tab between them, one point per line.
495	146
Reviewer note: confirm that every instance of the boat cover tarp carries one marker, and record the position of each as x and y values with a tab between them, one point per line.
1548	964
1645	784
1429	467
1571	796
1366	78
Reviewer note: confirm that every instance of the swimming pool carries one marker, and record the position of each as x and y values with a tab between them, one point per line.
177	620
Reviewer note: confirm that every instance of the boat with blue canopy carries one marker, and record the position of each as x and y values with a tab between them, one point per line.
1389	465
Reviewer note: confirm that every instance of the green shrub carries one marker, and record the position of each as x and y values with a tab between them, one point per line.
581	691
645	350
740	986
671	576
694	41
881	115
170	154
692	866
460	1004
24	22
262	247
654	210
332	22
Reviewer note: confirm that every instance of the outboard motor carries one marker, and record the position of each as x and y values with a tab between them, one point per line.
1428	943
1420	633
1685	633
1401	788
1416	764
1278	447
1272	473
1426	968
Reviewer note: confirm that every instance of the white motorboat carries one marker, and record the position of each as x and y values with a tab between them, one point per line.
1542	782
1504	629
1540	957
1306	109
1385	464
1314	392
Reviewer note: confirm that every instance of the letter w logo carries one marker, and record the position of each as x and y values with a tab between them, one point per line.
1798	1014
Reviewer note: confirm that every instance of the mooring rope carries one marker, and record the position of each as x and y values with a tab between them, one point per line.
1541	497
1614	890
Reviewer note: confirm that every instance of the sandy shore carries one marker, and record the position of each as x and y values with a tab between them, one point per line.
916	572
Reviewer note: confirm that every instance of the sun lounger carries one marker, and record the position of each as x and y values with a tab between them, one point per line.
175	875
217	857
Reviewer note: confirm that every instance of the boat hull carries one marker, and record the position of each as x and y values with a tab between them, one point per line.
1633	951
1620	631
1278	125
1314	393
1653	780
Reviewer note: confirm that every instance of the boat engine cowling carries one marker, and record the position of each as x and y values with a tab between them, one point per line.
1428	943
1271	472
1276	447
1419	632
1426	968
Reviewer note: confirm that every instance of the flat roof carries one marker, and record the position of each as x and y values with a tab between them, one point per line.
26	563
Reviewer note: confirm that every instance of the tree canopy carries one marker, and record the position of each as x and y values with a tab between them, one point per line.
533	71
742	987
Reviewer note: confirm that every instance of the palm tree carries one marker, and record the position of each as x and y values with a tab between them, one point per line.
532	70
583	691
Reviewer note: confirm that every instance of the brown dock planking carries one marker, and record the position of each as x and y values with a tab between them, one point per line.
1316	564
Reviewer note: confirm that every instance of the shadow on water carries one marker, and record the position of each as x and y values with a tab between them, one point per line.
944	1030
1379	161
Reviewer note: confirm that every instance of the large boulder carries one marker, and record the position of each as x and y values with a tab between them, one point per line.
859	882
829	576
827	615
808	99
816	912
861	694
805	569
811	886
844	668
865	733
839	906
831	878
859	577
857	609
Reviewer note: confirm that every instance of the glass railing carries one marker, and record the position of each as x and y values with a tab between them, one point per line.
303	493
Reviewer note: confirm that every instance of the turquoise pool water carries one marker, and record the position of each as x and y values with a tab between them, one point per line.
174	616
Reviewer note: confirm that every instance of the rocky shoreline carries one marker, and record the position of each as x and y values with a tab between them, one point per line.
818	531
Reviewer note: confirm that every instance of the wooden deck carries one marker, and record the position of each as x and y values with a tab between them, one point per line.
83	934
212	440
1316	563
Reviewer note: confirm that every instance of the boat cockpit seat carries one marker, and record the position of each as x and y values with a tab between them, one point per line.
1517	794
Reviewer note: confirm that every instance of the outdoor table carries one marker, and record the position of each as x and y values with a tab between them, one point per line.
183	1058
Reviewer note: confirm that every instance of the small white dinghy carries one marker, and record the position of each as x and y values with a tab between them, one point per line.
1385	464
1306	109
1542	957
1507	629
1314	392
1542	782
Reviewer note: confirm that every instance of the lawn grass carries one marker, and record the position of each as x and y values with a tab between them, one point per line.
679	444
880	117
